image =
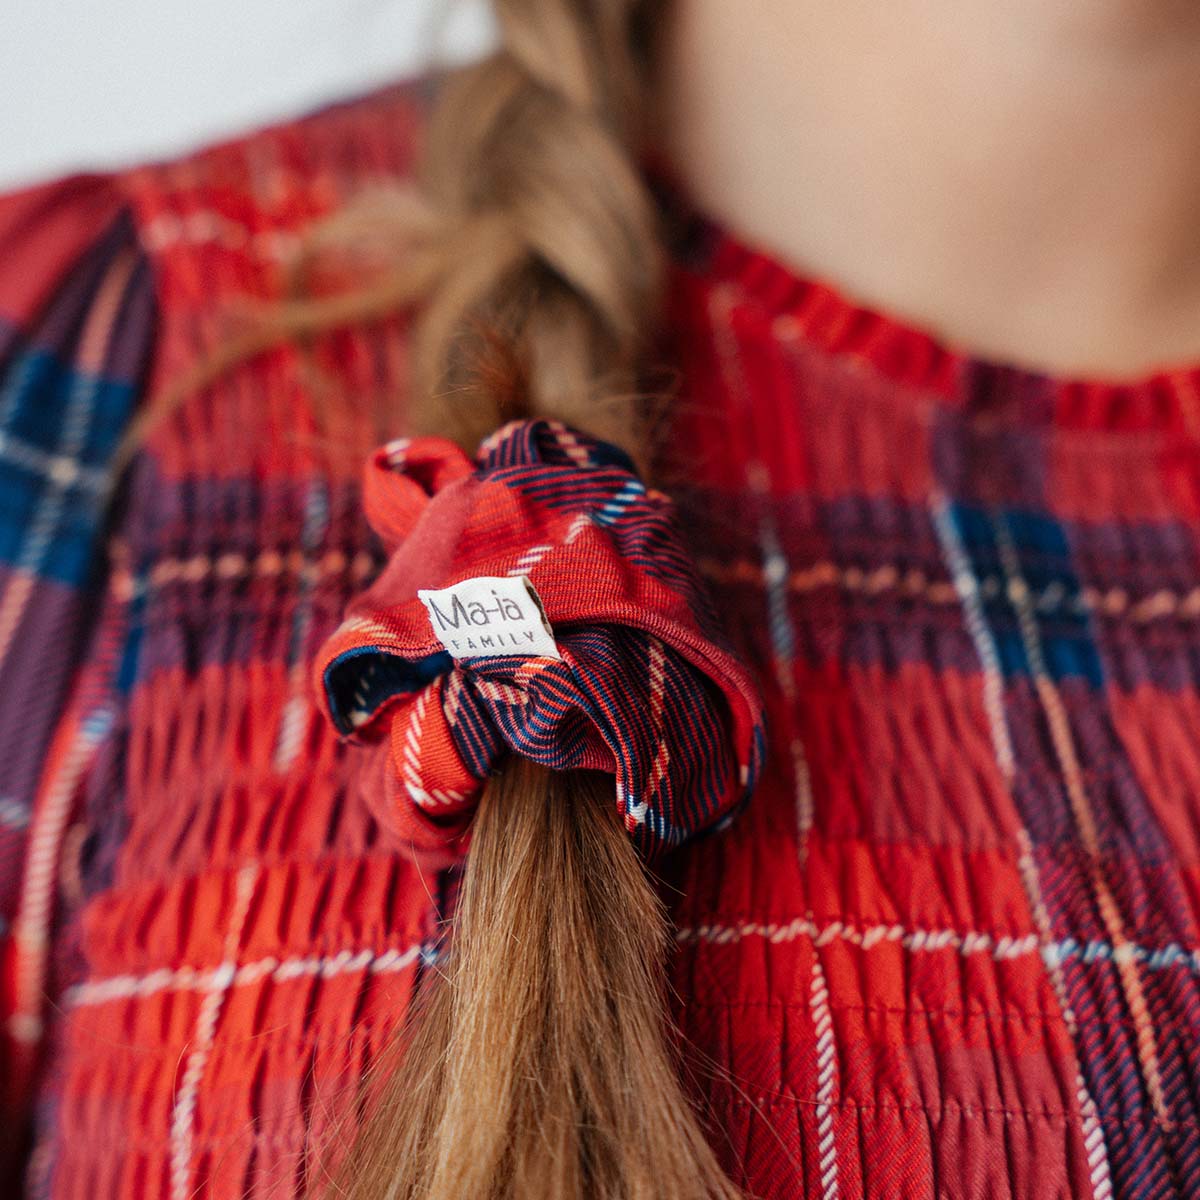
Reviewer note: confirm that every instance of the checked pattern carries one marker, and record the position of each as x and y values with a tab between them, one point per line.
950	950
644	687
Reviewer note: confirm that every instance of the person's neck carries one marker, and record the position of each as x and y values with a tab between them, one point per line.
1022	179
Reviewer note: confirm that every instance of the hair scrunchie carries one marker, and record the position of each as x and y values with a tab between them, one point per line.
538	601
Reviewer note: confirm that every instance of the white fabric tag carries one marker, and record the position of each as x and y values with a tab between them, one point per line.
490	615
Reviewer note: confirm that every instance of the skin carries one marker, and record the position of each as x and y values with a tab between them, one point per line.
1020	178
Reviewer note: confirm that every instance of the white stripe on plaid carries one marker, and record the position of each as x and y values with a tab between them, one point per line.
827	1072
1114	602
414	782
530	558
31	929
208	227
967	586
40	534
1063	740
14	814
999	946
636	810
262	970
63	470
299	710
221	980
775	573
867	937
966	583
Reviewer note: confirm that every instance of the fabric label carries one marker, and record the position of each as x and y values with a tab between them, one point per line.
490	615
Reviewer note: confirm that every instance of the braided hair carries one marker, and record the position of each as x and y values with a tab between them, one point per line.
538	1064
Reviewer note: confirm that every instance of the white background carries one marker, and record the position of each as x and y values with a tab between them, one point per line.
93	83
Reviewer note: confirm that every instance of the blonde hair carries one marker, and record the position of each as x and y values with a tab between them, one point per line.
538	1065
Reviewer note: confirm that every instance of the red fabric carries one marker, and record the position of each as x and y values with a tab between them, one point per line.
45	230
948	952
634	678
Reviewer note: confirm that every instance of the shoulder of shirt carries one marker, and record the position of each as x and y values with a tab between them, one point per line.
250	196
245	196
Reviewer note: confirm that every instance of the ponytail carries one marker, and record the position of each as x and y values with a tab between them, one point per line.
539	1065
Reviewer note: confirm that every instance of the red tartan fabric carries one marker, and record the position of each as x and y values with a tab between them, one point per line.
628	673
950	950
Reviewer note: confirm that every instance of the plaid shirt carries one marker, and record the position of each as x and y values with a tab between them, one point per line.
951	949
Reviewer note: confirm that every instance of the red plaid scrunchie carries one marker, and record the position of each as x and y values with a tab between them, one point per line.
538	601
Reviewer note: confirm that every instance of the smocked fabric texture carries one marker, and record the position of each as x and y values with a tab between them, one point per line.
950	948
634	677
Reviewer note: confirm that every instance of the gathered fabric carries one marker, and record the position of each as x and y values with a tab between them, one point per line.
539	601
949	951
